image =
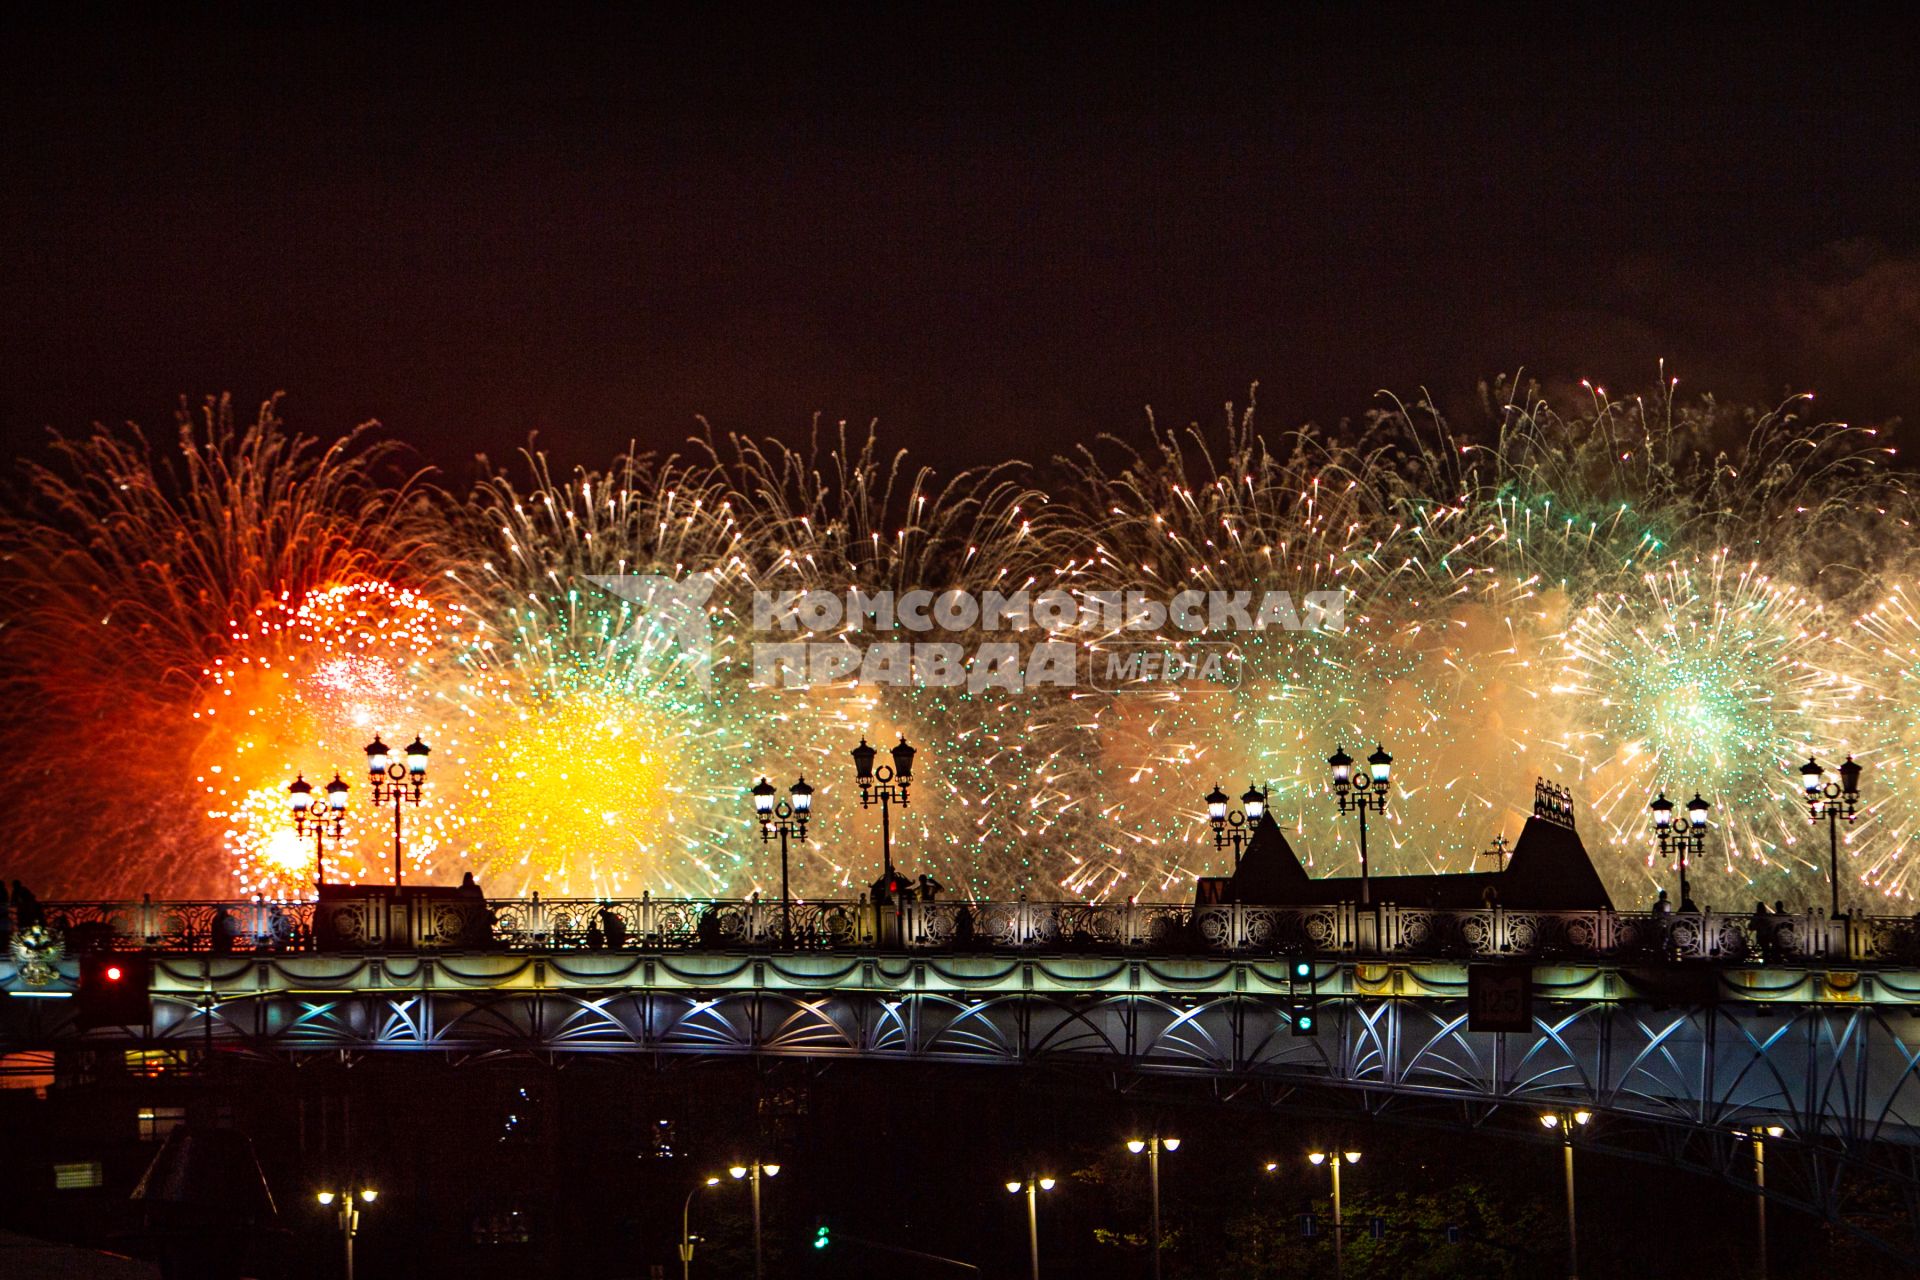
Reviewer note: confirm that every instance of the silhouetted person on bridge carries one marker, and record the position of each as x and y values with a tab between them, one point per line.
469	887
1762	924
707	931
225	930
613	927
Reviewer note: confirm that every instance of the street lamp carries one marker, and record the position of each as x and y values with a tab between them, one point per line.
328	821
786	818
1685	843
884	786
1821	795
686	1239
348	1215
752	1173
1033	1185
396	783
1758	1137
1236	825
1368	791
1153	1146
1336	1159
1567	1123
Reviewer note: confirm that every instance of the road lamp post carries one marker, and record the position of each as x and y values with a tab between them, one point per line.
326	822
1684	843
396	783
1033	1185
1359	794
1153	1146
1235	826
1821	798
1758	1137
1567	1123
1336	1159
752	1172
348	1215
686	1236
785	818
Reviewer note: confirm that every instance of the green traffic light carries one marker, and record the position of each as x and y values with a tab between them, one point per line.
1302	968
820	1238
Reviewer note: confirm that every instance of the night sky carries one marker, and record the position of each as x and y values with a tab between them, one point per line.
994	232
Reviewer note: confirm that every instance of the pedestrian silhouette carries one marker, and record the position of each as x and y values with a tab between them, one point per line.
469	887
595	939
614	927
225	930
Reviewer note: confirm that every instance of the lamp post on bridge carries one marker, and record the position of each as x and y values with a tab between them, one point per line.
785	818
1684	844
885	786
1235	826
1360	794
396	783
1821	796
1567	1123
329	821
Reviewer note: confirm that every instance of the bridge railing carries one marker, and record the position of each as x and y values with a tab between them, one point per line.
1022	925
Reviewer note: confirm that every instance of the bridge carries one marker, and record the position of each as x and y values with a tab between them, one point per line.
1682	1031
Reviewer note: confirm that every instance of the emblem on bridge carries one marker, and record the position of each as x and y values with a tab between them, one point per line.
1553	803
38	950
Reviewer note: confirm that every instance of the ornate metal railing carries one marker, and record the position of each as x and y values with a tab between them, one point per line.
649	923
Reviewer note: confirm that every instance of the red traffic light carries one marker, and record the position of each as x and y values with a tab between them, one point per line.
114	991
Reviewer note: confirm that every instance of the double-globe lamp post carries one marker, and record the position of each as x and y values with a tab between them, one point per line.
1568	1123
325	823
1152	1147
348	1215
397	783
1335	1159
1833	801
752	1173
1359	794
1684	844
1235	826
783	818
884	786
1033	1184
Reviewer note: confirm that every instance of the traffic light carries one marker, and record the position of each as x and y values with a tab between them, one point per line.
1301	1010
114	991
822	1237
